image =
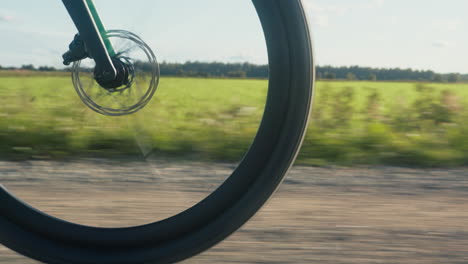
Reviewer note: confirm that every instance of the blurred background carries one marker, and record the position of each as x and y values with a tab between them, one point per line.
381	177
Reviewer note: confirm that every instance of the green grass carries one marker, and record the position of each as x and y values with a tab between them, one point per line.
410	124
204	118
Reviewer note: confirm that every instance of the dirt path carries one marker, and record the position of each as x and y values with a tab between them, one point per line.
319	215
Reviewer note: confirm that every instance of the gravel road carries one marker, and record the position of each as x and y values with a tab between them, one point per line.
319	215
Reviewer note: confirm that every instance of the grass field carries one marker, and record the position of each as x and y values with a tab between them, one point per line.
411	124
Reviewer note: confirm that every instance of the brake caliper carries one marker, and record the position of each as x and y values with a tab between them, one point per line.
77	51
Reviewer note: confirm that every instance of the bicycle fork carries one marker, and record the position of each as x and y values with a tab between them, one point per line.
92	42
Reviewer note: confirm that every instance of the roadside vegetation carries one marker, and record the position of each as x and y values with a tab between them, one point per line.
353	122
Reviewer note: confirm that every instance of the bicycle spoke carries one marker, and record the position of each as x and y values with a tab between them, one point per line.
139	89
128	48
142	138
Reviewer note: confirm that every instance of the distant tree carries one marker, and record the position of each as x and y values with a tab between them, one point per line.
453	78
46	69
248	70
28	67
319	75
362	73
329	75
372	77
237	74
350	76
181	72
437	78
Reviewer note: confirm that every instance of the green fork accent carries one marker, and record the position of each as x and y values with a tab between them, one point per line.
100	26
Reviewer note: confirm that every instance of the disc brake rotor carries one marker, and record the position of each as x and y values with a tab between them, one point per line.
143	78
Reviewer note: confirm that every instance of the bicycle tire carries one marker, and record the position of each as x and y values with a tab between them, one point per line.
276	145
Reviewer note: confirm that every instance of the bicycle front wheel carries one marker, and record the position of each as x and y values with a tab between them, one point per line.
49	239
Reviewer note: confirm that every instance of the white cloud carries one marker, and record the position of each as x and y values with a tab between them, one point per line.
375	3
244	57
321	20
6	18
443	44
327	8
321	14
450	24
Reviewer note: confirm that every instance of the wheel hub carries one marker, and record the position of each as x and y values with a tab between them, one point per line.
124	72
130	90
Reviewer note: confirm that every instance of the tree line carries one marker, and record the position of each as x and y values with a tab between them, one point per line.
386	74
248	70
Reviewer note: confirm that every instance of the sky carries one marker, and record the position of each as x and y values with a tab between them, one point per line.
377	33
